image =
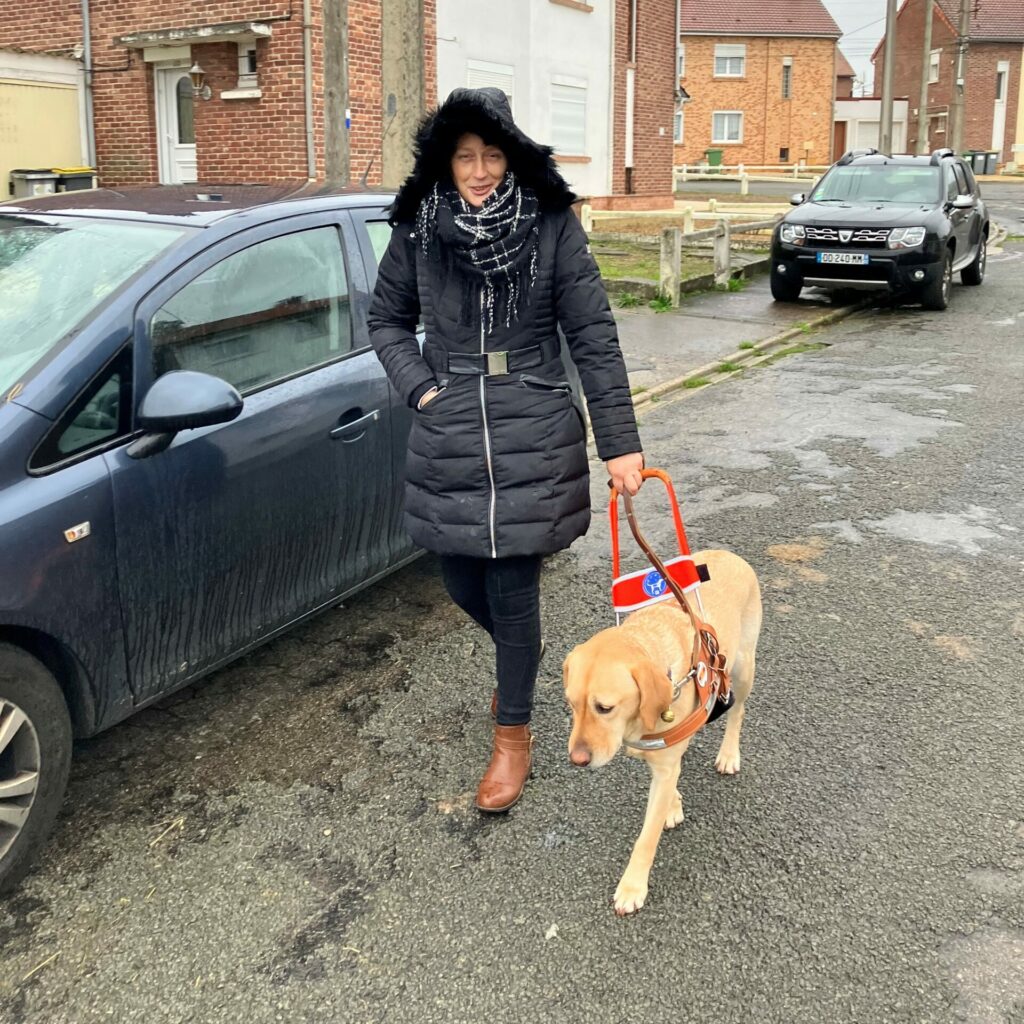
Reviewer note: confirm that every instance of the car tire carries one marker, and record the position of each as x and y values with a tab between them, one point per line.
785	288
974	273
935	294
35	758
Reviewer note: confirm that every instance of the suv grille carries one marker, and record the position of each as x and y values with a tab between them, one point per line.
862	238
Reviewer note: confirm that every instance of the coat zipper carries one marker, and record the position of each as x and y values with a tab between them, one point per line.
487	440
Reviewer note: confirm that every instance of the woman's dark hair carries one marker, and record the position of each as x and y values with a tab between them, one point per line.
483	112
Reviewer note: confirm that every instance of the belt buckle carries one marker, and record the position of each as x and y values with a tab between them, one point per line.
497	364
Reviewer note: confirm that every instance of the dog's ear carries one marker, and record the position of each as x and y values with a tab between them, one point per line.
655	691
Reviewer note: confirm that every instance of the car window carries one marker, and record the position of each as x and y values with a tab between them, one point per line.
951	187
962	187
972	183
101	414
380	234
268	312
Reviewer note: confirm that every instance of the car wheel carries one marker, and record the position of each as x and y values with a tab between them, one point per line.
975	273
936	294
35	757
785	288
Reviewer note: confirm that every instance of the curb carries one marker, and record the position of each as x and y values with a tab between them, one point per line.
743	356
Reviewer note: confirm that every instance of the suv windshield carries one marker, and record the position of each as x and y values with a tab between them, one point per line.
55	271
881	183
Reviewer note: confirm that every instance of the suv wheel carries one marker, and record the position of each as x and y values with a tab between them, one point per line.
35	757
785	287
935	295
975	272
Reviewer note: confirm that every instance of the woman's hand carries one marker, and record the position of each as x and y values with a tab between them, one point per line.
625	473
428	397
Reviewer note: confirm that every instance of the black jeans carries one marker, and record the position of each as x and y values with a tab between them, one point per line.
503	596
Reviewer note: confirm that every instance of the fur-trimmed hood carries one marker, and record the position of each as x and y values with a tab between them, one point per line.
485	112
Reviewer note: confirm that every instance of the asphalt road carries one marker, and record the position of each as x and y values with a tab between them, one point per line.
294	841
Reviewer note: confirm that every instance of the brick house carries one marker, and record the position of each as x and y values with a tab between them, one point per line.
257	118
993	84
761	80
845	76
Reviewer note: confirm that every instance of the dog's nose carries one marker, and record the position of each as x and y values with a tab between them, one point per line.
580	757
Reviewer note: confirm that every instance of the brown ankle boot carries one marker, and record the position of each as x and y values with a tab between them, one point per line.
503	782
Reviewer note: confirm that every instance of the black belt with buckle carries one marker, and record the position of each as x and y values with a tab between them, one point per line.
493	364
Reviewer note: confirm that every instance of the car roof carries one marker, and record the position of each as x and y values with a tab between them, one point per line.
198	205
899	159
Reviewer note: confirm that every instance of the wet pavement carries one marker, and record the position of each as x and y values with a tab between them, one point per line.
294	840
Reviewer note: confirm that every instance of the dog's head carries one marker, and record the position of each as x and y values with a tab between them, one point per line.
615	691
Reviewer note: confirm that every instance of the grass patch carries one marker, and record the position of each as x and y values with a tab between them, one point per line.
746	344
661	304
633	392
627	300
1014	238
617	260
794	350
696	382
729	367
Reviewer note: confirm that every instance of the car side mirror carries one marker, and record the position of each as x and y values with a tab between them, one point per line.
182	400
963	203
797	198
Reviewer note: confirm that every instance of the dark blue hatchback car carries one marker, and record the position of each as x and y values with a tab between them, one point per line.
198	449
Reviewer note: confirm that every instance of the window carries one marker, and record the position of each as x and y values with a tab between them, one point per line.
247	66
569	119
186	110
379	232
962	187
482	74
1001	76
677	126
101	414
730	61
933	66
268	312
681	61
952	191
727	126
937	124
784	155
787	78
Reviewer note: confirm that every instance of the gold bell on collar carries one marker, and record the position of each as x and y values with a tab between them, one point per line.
668	715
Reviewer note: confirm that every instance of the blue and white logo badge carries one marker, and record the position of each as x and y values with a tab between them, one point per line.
654	584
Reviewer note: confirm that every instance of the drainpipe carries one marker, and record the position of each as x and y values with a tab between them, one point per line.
307	77
90	123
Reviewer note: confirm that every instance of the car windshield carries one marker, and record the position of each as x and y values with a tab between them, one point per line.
880	183
54	272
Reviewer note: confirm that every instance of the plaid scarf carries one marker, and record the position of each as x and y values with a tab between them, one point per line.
491	250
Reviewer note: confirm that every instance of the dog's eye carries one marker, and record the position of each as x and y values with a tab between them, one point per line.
604	709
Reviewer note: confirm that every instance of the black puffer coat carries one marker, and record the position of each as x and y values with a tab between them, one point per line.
497	465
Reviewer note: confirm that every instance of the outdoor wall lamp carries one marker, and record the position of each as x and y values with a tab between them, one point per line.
200	90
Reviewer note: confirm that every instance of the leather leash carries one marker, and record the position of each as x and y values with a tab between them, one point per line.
707	662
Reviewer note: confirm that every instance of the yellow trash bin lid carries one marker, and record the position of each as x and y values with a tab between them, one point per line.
73	170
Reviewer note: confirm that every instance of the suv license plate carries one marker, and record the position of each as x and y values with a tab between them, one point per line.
858	258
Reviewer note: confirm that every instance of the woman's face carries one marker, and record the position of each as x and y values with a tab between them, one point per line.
477	169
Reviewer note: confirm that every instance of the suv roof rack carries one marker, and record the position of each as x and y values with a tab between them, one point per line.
853	154
939	155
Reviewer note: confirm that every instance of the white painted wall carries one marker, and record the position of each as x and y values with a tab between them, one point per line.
863	118
544	44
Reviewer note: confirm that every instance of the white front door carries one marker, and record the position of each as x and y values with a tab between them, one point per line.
175	126
999	112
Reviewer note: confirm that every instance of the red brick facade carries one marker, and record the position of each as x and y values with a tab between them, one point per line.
654	106
260	139
980	80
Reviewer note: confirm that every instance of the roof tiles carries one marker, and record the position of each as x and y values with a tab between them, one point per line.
761	17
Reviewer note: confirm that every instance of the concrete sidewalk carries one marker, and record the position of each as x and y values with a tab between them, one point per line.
660	347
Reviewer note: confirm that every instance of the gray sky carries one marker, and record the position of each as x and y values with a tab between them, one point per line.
863	21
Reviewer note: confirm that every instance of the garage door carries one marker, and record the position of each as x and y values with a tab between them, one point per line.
39	127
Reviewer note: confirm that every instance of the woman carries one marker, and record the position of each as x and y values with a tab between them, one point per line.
488	255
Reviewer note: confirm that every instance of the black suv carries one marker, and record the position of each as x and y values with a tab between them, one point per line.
904	224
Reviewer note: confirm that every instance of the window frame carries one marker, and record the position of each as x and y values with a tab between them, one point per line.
679	126
580	85
736	51
962	184
715	141
787	78
681	61
490	75
934	64
147	308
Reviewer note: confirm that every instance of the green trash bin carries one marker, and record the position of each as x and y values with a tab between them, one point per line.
74	179
714	159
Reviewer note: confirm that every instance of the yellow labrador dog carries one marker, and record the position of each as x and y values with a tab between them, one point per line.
618	685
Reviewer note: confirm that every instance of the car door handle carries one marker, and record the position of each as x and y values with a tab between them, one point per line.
352	426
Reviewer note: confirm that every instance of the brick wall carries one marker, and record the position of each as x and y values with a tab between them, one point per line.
770	123
236	140
655	96
980	80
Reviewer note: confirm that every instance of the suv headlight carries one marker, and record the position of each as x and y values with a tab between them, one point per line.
905	238
794	234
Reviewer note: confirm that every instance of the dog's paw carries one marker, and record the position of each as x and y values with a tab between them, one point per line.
629	897
675	816
728	762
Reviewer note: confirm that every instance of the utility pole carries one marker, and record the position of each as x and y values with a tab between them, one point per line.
885	132
926	67
956	132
